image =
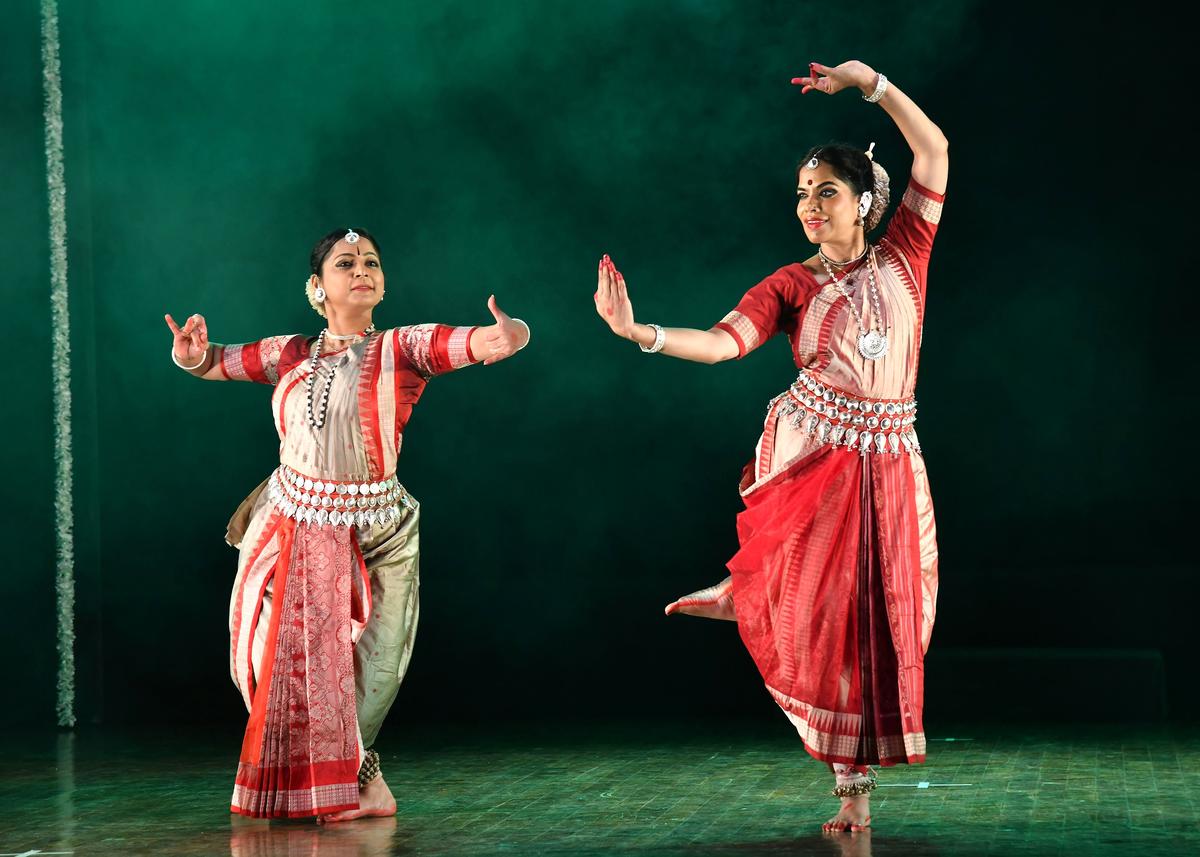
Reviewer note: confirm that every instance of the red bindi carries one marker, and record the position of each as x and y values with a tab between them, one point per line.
810	181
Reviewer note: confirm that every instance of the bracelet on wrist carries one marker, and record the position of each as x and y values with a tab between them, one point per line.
203	360
528	332
660	339
881	83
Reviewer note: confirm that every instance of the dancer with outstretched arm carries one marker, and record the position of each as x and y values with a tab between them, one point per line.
324	606
834	584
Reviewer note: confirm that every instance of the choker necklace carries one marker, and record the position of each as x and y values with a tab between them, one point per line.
872	344
829	261
315	420
346	337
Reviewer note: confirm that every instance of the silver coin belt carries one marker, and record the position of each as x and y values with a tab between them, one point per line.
830	415
322	501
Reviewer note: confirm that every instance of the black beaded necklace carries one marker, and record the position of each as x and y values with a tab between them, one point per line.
315	421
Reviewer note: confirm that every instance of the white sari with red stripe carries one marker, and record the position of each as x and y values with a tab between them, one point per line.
322	616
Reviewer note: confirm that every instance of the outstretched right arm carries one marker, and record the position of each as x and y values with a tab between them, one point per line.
260	361
192	351
686	343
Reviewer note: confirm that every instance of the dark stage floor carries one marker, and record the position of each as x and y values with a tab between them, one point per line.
621	790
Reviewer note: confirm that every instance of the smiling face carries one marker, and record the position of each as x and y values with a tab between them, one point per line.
827	206
352	276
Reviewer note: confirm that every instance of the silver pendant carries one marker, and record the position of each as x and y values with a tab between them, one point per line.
873	344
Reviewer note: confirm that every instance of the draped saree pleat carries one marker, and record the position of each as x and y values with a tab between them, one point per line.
834	584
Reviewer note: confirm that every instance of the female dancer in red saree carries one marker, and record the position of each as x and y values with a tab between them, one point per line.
834	585
324	605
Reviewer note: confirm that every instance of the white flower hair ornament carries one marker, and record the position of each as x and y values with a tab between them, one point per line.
874	202
316	295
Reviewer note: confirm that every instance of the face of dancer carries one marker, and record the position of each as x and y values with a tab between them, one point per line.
352	276
827	206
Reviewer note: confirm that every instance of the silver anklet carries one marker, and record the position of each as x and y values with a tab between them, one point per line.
859	787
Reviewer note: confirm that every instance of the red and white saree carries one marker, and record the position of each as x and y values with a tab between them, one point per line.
324	606
835	582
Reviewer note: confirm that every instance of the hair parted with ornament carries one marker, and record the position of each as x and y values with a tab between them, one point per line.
321	251
857	169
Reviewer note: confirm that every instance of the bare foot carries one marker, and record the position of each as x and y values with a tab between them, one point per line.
856	844
374	801
855	815
237	820
716	602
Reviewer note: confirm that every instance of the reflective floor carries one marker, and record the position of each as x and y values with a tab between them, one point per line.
620	790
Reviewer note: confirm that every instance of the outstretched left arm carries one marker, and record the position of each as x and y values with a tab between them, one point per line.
931	163
500	340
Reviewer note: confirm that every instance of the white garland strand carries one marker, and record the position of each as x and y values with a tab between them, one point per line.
60	322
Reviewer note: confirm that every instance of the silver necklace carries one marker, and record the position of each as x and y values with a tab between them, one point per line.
314	420
829	261
345	337
872	344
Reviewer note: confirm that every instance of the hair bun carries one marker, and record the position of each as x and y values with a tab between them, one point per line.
879	194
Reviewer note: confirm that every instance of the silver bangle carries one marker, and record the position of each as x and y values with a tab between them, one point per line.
528	332
660	339
203	360
880	89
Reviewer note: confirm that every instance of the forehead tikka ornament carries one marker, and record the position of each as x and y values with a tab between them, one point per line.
352	237
813	164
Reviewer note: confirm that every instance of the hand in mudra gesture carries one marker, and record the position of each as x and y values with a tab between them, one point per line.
612	300
504	338
831	79
191	340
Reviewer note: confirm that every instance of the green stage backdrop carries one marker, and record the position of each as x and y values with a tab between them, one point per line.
571	492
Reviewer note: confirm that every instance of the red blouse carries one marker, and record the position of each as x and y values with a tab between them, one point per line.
777	304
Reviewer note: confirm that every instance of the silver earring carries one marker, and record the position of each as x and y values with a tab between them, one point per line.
319	294
864	203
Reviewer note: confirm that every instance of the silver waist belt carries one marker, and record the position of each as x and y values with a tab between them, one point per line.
329	501
838	418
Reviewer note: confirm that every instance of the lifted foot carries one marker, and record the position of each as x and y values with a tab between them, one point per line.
716	602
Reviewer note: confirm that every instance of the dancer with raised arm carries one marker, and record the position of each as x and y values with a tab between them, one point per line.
834	584
324	606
